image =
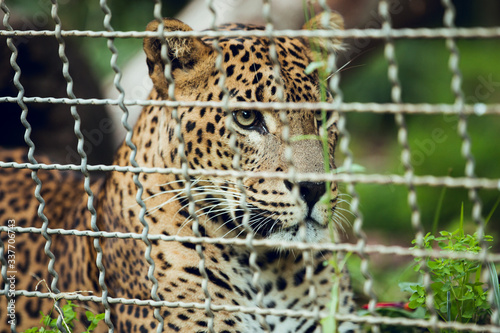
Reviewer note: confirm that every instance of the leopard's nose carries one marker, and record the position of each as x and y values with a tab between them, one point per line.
310	192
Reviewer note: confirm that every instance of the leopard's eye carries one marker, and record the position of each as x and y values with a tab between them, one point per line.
246	118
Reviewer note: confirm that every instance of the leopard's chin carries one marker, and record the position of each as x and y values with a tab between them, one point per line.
314	233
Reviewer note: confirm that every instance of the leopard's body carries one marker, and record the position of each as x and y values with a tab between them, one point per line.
274	213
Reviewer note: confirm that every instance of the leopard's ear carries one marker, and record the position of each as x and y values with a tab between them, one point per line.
325	21
184	52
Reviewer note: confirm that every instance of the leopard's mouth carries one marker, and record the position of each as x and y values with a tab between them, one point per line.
310	231
267	224
267	227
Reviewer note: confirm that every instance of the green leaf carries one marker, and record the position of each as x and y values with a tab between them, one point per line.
100	316
443	245
32	330
90	316
468	313
94	320
409	286
488	238
415	303
445	287
434	265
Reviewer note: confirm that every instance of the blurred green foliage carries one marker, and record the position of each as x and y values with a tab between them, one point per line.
434	141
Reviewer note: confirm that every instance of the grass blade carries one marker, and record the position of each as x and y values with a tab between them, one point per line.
438	211
491	212
494	286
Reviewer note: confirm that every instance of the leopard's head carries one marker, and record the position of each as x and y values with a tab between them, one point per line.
211	136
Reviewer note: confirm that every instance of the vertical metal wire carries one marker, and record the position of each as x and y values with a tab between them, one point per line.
456	87
252	260
393	70
184	166
351	190
354	205
236	165
83	156
331	58
137	182
288	153
400	121
31	158
116	81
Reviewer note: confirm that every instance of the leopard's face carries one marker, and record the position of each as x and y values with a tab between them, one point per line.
250	139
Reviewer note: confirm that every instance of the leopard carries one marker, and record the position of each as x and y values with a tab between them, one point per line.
139	244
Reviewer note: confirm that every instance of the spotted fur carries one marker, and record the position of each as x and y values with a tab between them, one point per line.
274	213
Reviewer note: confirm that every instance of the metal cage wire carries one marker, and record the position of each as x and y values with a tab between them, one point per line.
398	107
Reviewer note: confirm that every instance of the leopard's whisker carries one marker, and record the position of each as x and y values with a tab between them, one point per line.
157	207
236	227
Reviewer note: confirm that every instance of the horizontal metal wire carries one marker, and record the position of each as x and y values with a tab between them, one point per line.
186	305
341	247
457	182
427	33
368	319
424	323
418	108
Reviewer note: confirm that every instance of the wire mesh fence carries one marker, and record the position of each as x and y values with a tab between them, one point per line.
234	178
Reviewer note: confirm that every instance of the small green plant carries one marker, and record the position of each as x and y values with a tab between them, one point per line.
49	324
459	294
